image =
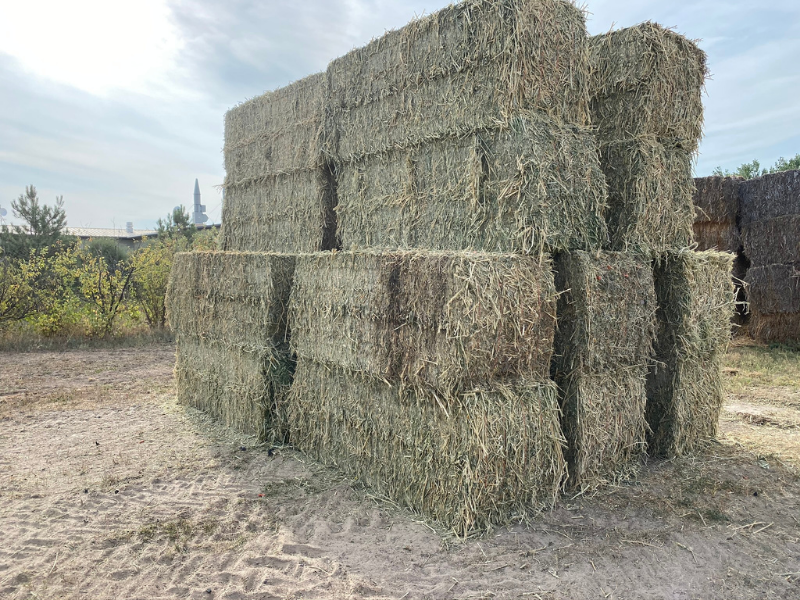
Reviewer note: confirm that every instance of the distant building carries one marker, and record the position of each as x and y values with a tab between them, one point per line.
127	237
199	213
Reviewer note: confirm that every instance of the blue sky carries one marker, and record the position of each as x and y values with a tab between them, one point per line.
118	105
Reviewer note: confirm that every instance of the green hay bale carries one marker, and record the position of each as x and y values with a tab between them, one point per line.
773	241
532	186
229	314
650	190
466	66
696	302
291	212
277	132
445	321
472	461
606	326
647	81
770	196
236	298
244	389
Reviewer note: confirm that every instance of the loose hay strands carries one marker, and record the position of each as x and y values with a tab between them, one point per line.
647	81
606	326
459	69
491	456
773	241
696	301
770	196
531	185
228	311
279	213
244	389
441	320
650	190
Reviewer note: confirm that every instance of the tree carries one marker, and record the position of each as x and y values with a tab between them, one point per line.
753	169
43	225
152	263
178	223
786	165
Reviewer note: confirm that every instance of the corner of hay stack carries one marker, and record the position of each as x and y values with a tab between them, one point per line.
606	326
696	301
471	461
228	311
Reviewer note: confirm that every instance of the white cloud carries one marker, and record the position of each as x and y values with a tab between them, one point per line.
94	45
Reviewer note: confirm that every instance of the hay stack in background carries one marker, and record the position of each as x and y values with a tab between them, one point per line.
606	325
770	222
460	69
684	388
440	320
483	457
279	194
528	185
716	205
229	314
645	88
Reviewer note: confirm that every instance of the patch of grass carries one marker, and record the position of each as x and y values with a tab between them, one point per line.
25	340
756	366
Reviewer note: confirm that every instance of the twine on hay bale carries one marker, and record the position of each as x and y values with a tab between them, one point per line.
696	300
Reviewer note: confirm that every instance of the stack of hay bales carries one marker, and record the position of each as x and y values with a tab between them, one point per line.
466	130
228	310
685	393
279	193
425	375
646	85
770	221
646	104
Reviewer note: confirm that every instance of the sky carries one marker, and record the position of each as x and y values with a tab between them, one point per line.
118	105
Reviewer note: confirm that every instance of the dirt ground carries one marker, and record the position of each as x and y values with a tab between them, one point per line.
108	489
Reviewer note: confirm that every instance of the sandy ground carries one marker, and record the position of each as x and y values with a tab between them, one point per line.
108	489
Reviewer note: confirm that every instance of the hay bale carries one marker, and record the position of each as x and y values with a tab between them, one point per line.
606	326
471	461
650	190
773	241
696	301
716	205
291	212
229	314
245	389
459	69
279	192
770	196
647	81
774	288
445	321
277	132
533	185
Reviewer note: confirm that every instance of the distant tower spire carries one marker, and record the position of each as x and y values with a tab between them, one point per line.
198	215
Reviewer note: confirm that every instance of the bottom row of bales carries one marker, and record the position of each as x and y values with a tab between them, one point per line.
470	387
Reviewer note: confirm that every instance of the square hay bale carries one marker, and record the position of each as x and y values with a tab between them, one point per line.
606	326
245	389
774	295
647	81
463	67
290	212
773	241
770	196
709	235
650	190
530	186
696	302
229	313
716	205
471	461
236	298
444	321
277	132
